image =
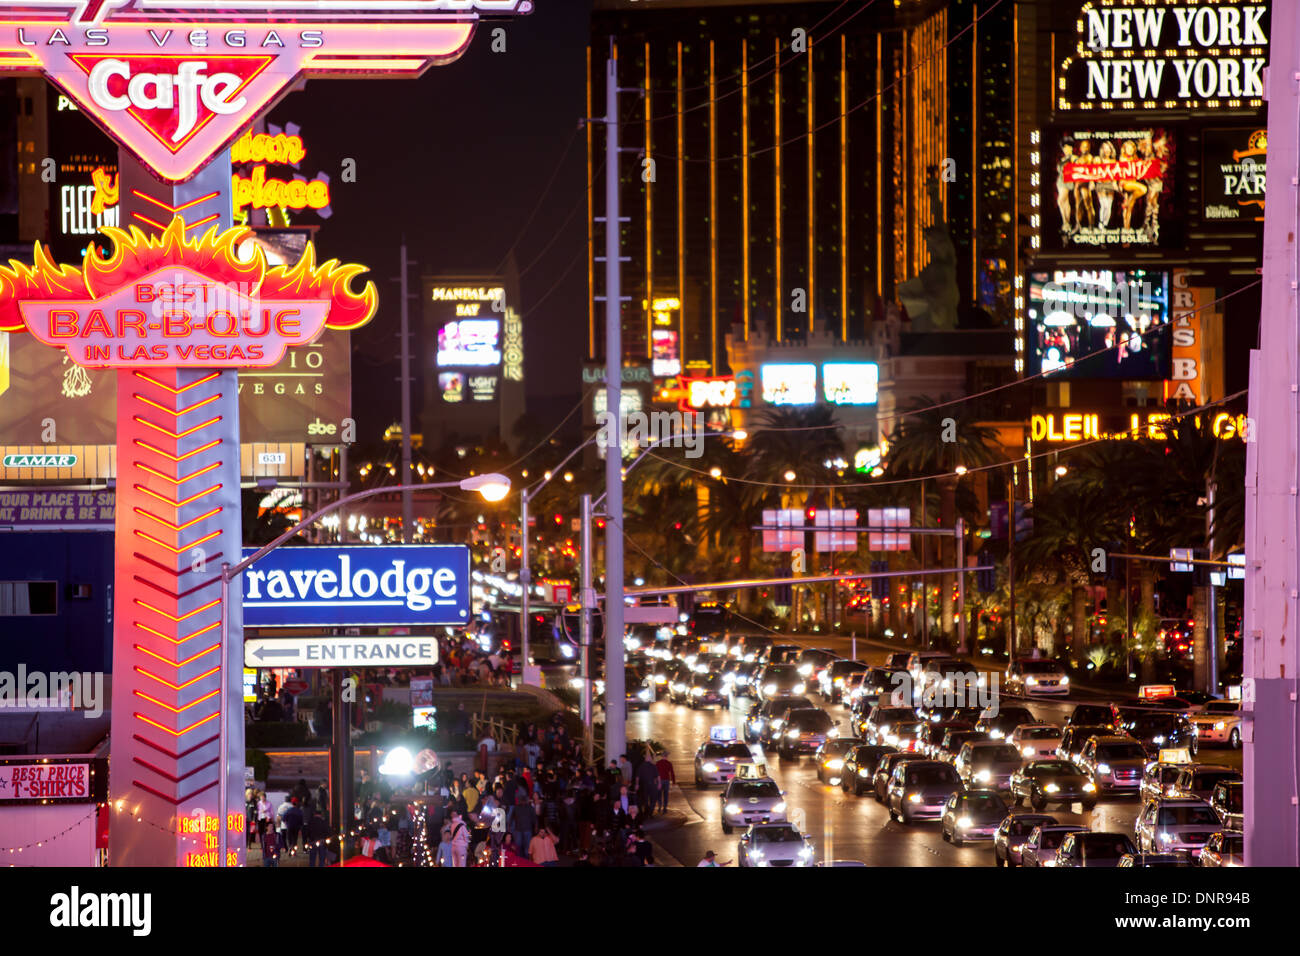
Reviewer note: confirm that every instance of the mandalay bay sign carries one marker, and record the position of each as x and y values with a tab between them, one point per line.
176	309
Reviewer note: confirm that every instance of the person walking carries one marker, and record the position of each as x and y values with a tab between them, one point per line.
541	850
318	832
523	822
647	787
667	777
446	853
293	823
459	840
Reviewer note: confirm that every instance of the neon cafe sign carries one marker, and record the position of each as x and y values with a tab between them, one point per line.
176	81
1068	427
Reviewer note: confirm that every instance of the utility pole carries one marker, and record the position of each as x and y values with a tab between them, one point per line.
408	518
1268	688
960	533
588	597
1011	563
615	714
526	583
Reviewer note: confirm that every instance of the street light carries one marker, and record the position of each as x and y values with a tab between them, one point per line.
492	486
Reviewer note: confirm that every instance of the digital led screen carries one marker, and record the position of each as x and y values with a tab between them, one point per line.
789	384
1099	324
475	342
851	383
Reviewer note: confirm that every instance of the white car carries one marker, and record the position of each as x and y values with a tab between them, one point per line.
1219	722
1036	740
1030	677
747	801
774	844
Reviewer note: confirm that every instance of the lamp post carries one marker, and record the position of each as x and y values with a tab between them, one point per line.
492	487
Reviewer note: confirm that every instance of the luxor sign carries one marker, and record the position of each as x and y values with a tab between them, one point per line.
175	81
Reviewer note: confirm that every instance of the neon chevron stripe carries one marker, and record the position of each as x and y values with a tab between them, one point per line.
176	412
198	610
176	733
185	547
192	657
140	670
177	481
176	391
178	527
190	454
172	434
175	710
177	504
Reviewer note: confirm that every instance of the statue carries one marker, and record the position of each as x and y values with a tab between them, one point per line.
931	297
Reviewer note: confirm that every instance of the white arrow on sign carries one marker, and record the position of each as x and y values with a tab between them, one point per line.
395	651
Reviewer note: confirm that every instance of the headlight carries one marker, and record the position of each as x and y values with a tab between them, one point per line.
776	724
792	733
964	822
696	691
1089	788
1064	680
1031	680
757	724
1166	839
864	772
1220	724
883	729
566	650
733	808
661	679
778	807
799	688
728	678
1103	768
1158	739
710	767
914	798
833	732
835	763
805	670
984	776
644	694
996	734
769	688
1052	788
806	851
1028	751
891	739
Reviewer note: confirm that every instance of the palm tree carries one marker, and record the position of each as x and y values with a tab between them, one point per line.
930	440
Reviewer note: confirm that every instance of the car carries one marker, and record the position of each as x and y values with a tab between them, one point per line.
1074	737
1093	848
812	661
661	674
953	741
1199	779
1227	801
744	676
1113	763
774	844
1036	740
987	763
747	800
930	741
916	662
919	789
1092	715
940	714
1036	677
1040	848
972	815
1158	779
833	679
710	663
860	765
881	719
706	690
710	618
870	684
1012	833
754	648
804	731
770	735
1218	723
905	734
1224	848
780	680
1175	824
783	653
679	684
1158	730
885	771
829	758
997	722
897	660
758	725
1052	781
716	760
1153	860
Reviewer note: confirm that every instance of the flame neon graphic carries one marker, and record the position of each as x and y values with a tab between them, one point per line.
214	254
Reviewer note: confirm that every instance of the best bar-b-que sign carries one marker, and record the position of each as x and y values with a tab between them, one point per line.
172	301
176	81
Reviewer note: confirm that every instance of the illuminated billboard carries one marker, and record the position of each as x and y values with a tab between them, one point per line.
665	357
83	185
851	383
1099	324
1232	174
789	384
474	342
266	175
1111	188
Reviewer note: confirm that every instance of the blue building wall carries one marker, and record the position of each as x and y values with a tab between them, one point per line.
80	636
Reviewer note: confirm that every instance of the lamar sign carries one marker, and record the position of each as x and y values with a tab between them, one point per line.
177	302
176	81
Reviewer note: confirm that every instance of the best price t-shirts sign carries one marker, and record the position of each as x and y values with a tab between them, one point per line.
61	781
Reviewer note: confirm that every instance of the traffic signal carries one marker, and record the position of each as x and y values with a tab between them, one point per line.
810	513
559	520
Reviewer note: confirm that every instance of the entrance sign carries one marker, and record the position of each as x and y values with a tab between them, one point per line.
177	81
343	586
177	302
318	651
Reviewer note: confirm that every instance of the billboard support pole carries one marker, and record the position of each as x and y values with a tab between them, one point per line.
408	517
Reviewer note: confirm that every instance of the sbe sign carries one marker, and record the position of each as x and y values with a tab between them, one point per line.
175	81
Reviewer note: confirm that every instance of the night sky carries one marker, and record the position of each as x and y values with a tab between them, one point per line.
456	161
